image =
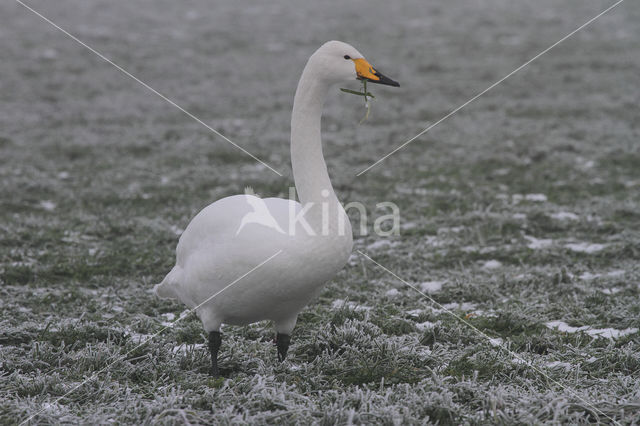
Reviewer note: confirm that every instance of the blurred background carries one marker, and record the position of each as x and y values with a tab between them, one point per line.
98	177
84	146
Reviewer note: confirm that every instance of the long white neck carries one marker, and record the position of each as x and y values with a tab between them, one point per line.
325	214
309	169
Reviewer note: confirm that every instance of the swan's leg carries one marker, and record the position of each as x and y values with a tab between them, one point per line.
284	327
282	343
215	339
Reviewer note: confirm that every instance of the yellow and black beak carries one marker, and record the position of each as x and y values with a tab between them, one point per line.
366	72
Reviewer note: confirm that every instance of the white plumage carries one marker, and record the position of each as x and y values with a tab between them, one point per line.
236	234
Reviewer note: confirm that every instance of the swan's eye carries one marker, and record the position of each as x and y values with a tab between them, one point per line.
347	57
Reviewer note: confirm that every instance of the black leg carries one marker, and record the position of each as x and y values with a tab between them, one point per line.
282	343
215	339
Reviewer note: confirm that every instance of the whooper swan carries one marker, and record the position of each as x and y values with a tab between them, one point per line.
244	259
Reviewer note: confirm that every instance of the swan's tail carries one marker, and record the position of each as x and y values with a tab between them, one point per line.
167	288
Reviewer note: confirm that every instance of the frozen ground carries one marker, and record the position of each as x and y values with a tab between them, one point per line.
521	213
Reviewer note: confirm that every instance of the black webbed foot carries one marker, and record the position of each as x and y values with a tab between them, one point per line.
282	343
215	340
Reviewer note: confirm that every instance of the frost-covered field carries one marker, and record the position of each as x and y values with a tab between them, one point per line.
520	214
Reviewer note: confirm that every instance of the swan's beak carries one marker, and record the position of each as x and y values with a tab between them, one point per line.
366	72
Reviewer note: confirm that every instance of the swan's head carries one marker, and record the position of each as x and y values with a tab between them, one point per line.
337	62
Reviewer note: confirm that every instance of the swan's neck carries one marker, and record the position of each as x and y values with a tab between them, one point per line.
309	169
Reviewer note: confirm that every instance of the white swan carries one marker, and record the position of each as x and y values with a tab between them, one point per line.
237	271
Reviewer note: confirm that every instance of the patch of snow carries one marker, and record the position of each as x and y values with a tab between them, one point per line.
71	237
176	230
565	216
496	341
415	312
340	303
52	407
492	264
482	313
454	229
613	274
425	325
537	198
183	348
586	276
169	317
392	293
433	241
559	365
519	216
540	198
431	286
464	306
63	175
586	247
612	290
380	243
139	338
587	164
408	225
564	327
610	333
418	191
48	205
535	243
20	263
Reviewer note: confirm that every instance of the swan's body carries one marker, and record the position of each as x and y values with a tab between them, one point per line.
211	255
252	255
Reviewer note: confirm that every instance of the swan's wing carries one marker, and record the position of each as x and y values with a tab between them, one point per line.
210	253
211	224
217	225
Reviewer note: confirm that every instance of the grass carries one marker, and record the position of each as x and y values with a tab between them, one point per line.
99	177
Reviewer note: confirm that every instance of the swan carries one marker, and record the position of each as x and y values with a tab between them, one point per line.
244	259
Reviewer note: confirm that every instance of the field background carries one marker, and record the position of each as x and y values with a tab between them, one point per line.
525	207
